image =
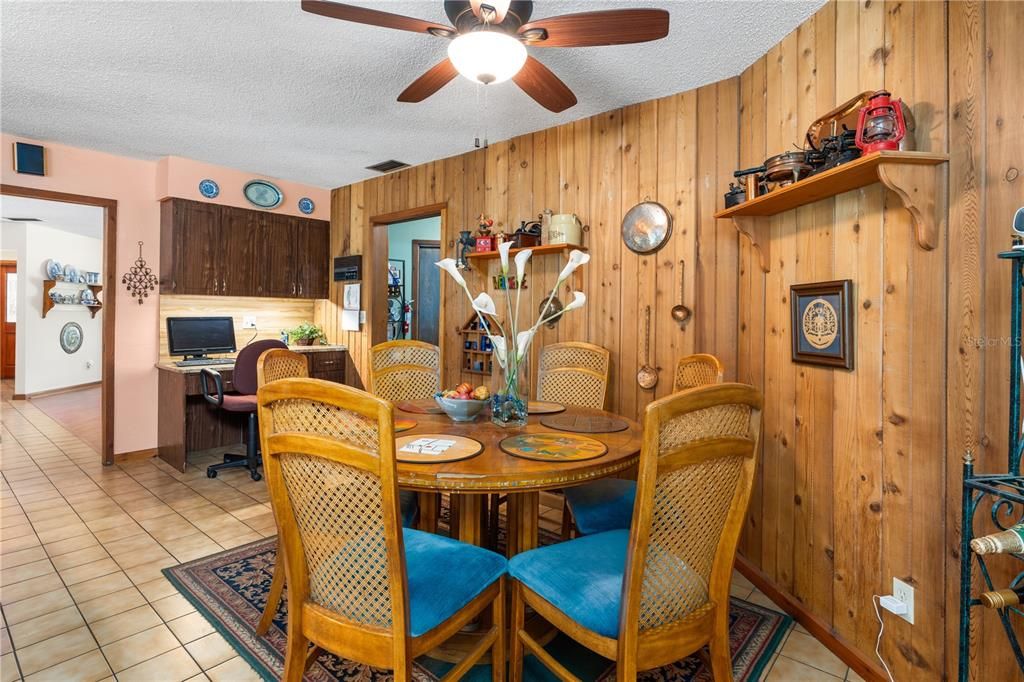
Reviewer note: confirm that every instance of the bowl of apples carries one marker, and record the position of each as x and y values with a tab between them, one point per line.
463	403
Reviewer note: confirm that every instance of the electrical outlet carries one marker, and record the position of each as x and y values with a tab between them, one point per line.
905	593
249	322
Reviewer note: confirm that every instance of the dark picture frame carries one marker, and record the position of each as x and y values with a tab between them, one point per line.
822	323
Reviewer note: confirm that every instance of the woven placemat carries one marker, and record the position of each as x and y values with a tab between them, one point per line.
553	447
421	406
405	425
541	407
585	423
464	448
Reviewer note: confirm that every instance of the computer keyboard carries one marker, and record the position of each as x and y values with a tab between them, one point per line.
196	362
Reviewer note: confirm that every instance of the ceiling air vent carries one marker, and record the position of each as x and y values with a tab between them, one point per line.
387	166
23	220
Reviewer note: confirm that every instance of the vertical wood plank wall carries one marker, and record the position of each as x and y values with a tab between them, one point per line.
860	479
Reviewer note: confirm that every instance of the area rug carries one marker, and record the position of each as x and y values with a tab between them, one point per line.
230	590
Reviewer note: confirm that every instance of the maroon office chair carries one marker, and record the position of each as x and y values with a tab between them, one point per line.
242	400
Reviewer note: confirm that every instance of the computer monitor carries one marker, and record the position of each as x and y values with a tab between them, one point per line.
197	336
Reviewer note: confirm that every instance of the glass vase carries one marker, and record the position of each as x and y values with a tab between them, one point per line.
511	396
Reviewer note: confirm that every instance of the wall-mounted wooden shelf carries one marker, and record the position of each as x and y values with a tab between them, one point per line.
537	251
915	177
49	305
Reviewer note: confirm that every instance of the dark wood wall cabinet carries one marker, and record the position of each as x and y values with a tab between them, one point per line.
214	250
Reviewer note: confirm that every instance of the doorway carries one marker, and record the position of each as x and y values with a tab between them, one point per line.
9	326
95	374
414	284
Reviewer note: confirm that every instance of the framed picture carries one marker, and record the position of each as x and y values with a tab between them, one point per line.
396	272
823	323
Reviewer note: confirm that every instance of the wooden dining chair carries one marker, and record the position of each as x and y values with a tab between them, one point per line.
608	503
699	369
405	370
570	373
658	592
273	365
359	585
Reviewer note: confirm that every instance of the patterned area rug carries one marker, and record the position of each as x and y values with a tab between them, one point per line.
230	590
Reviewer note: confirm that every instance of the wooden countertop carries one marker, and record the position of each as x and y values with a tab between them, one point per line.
169	366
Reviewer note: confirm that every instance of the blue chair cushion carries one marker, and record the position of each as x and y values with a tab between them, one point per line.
443	576
582	578
602	505
410	506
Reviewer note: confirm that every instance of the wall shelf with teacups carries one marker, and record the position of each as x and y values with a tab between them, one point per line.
71	294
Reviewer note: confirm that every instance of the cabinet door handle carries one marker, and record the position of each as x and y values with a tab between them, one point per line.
300	288
293	288
223	286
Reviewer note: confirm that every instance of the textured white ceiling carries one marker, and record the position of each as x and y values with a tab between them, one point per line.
86	221
267	88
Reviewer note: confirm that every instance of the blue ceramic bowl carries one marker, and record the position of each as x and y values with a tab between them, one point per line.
460	410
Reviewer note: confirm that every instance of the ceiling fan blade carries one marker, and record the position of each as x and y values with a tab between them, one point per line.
538	82
364	15
591	29
429	83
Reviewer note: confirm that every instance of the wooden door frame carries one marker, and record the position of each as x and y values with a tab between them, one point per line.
376	261
3	304
109	207
417	244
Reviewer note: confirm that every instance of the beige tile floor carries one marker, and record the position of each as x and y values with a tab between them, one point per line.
82	546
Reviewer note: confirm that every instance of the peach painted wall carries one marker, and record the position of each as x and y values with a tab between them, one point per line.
138	186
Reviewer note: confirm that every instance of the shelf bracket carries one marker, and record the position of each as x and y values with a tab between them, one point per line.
921	189
758	230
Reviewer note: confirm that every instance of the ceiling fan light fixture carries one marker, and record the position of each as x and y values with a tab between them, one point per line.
487	56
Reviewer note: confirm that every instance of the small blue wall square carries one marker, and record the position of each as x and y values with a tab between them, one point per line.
29	158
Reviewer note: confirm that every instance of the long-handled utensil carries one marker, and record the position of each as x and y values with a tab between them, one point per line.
680	313
647	376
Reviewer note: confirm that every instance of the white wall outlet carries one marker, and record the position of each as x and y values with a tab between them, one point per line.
362	317
905	593
249	322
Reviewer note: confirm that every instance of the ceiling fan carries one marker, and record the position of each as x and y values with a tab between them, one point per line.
489	41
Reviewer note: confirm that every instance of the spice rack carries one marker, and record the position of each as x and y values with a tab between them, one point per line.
48	303
915	177
1002	494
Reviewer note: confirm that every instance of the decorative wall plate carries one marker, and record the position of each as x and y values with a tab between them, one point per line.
306	205
263	194
70	273
208	188
71	337
646	227
54	270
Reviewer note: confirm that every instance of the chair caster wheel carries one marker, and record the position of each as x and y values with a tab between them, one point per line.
255	475
211	473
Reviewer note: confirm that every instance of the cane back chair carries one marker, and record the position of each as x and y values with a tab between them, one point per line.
573	373
608	503
272	365
405	370
359	585
659	591
700	369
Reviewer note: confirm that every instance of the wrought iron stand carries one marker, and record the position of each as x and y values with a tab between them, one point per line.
1004	492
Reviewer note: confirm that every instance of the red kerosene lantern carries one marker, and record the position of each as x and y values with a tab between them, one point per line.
880	125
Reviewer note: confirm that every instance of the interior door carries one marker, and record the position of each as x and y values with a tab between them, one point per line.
8	299
426	292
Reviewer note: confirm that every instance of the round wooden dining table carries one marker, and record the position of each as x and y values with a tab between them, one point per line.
495	471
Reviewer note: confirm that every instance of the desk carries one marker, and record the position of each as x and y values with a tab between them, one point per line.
187	423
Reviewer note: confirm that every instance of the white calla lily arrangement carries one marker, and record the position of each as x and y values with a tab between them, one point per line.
510	345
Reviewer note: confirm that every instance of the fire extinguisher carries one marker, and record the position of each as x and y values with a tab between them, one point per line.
406	318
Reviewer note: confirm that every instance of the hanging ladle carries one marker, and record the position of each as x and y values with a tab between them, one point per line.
680	313
647	377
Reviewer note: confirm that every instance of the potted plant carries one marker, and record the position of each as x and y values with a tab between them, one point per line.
306	334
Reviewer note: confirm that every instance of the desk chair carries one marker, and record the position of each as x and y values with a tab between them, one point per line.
359	585
658	592
607	504
242	400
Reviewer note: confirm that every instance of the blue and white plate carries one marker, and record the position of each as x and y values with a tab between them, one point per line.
70	273
263	194
54	269
209	189
306	205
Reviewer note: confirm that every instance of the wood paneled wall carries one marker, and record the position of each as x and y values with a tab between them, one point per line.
860	479
679	150
272	314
